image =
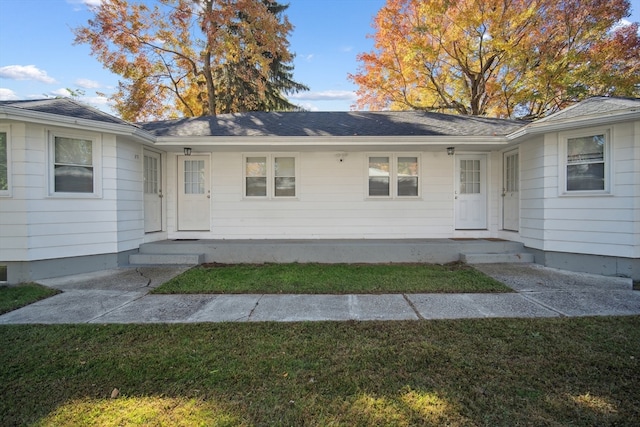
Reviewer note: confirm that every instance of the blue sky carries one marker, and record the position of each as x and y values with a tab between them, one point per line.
38	58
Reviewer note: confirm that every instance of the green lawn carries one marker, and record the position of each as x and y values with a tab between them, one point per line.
491	372
331	279
13	297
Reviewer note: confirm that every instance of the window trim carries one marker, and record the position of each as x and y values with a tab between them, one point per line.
7	193
96	163
270	176
564	138
393	176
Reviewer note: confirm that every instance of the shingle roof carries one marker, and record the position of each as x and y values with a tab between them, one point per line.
353	123
64	107
598	105
396	123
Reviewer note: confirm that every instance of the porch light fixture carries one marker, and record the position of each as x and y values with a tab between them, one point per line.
451	150
187	151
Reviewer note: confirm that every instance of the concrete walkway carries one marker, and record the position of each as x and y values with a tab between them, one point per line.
121	296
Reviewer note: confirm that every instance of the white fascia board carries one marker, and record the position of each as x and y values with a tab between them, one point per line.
537	128
48	119
226	142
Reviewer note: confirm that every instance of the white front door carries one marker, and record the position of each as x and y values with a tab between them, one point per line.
152	191
194	193
471	192
511	191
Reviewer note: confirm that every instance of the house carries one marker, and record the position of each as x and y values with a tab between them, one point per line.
81	190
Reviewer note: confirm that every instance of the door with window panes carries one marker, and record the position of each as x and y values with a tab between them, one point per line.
511	191
194	193
152	192
471	192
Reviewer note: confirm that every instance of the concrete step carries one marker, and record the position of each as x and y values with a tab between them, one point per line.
182	259
329	251
493	258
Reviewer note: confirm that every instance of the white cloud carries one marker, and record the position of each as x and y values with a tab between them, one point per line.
308	106
309	57
63	92
326	95
87	84
91	4
622	23
99	101
25	72
7	94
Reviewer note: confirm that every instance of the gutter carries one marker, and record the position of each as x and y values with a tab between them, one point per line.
541	127
13	113
330	141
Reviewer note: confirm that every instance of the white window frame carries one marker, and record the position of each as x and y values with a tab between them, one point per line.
96	164
393	176
270	176
7	130
563	163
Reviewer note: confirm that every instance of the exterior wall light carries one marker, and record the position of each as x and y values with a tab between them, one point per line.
451	151
187	151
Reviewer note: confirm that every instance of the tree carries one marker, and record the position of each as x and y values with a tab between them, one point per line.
193	57
502	58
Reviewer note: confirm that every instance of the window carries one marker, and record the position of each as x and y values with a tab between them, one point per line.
470	176
4	162
151	174
379	176
277	170
285	176
256	177
73	168
393	176
194	177
586	163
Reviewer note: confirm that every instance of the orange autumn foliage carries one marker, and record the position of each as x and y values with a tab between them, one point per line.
504	58
175	57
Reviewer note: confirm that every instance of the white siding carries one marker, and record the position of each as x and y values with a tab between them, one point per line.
586	224
331	201
532	191
129	194
634	179
13	208
35	225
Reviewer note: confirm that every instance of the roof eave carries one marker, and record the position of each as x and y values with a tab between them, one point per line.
328	141
49	119
541	127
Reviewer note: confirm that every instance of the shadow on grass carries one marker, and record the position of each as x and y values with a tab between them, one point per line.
488	372
408	407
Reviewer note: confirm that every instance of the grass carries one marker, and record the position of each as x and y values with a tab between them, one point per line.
14	297
331	279
491	372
